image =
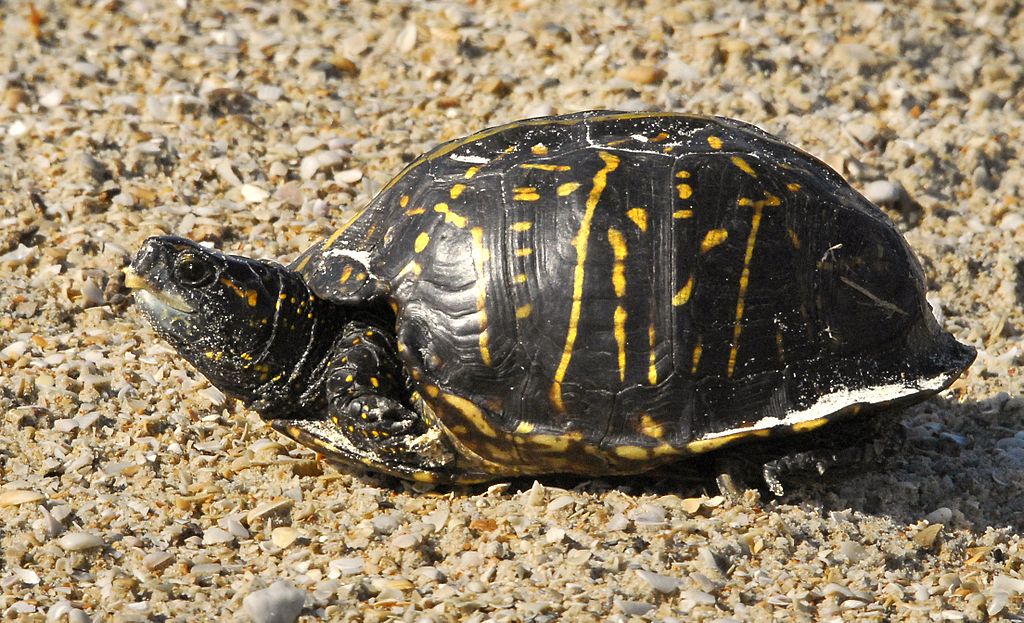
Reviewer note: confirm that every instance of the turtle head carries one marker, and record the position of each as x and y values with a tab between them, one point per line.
245	324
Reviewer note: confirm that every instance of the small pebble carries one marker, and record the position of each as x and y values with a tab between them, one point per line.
78	541
254	194
217	536
284	536
661	583
280	603
346	566
15	497
155	561
882	192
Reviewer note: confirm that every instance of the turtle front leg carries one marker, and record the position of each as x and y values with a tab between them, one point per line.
372	419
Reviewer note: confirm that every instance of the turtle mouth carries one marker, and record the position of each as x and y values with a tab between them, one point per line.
152	297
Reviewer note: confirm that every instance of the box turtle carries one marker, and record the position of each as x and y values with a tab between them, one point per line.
595	293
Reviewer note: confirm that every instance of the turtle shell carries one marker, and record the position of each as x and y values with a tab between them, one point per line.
603	292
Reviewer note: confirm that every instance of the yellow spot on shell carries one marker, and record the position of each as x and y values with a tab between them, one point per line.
521	278
540	149
421	241
650	427
470	172
697	350
794	239
685	191
567	188
522	226
809	425
793	187
619	321
683	175
523	252
525	193
545	167
639	217
715	142
524	428
631	453
652	368
449	216
682	214
712	239
414	211
581	242
524	311
682	297
744	166
457	190
659	137
404	201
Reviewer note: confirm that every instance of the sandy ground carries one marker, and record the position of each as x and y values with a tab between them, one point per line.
131	491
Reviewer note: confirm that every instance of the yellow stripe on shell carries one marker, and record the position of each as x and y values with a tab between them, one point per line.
582	240
479	257
545	167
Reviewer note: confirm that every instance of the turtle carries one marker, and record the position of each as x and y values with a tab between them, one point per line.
599	293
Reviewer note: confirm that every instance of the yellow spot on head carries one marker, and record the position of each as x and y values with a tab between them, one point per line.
682	297
524	311
540	149
457	190
421	241
522	226
346	273
567	188
743	166
685	191
374	381
712	239
639	217
715	142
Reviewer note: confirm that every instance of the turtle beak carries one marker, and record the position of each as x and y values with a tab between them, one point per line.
151	296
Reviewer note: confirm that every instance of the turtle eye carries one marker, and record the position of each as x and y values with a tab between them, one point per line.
192	271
